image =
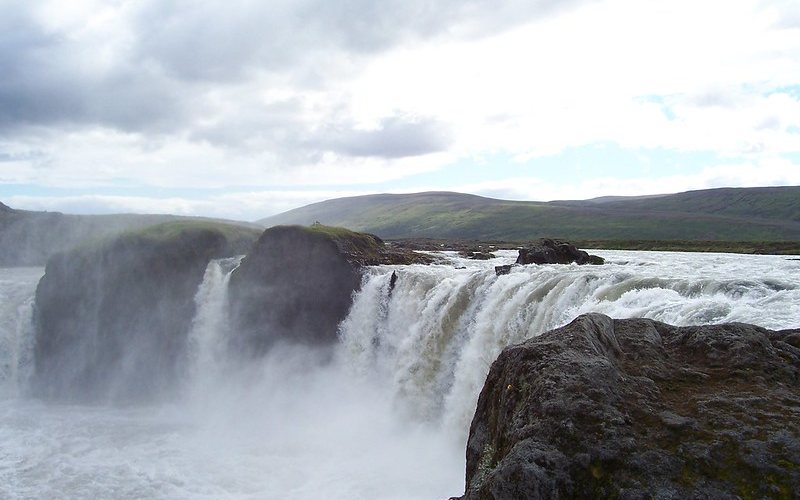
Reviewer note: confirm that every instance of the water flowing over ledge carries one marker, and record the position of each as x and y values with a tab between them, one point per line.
386	415
434	334
17	288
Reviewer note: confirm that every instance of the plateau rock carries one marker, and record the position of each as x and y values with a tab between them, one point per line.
634	408
296	283
112	316
547	251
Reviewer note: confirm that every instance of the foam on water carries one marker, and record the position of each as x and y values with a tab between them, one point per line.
436	333
383	415
17	288
208	336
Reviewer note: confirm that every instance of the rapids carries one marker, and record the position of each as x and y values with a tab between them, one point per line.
385	414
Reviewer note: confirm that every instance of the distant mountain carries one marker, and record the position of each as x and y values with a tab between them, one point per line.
780	203
727	214
29	238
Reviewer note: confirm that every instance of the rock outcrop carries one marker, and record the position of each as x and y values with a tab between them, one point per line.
605	408
547	251
112	317
297	282
502	270
476	254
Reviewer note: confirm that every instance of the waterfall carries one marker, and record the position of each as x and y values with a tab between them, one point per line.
207	340
17	290
383	414
433	336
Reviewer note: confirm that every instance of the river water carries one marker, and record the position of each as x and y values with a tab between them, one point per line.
385	416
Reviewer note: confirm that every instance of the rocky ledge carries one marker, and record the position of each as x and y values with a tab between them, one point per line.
112	316
296	283
547	251
605	408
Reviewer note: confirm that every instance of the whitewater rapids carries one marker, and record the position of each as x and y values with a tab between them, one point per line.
385	415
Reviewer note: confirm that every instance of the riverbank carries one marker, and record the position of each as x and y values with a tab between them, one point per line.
742	247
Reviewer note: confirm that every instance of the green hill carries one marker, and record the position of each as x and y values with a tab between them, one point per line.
781	203
29	238
741	214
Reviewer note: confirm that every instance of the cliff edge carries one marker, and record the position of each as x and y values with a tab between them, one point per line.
112	316
634	408
296	283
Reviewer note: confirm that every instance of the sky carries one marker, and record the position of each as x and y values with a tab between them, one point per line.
245	108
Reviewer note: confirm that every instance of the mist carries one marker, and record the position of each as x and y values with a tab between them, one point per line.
315	428
381	411
307	414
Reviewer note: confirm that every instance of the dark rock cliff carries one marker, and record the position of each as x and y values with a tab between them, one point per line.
605	408
112	317
547	251
296	283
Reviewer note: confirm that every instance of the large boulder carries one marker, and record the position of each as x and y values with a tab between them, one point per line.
112	317
605	408
547	251
296	284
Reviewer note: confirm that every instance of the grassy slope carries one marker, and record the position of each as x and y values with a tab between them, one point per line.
782	203
239	238
747	247
30	238
757	214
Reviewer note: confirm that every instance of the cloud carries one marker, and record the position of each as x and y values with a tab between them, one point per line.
225	40
256	204
773	172
53	77
244	205
261	95
144	65
394	137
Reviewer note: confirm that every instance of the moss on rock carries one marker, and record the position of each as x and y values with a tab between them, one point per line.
639	409
112	316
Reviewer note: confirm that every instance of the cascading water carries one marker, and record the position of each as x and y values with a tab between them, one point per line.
17	289
385	417
435	333
207	341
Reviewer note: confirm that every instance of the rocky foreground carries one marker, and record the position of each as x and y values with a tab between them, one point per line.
634	408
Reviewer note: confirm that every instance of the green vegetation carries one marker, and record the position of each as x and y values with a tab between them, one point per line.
336	232
361	248
746	247
237	239
174	229
767	203
30	238
732	215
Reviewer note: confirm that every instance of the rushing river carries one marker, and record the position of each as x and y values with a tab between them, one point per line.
386	416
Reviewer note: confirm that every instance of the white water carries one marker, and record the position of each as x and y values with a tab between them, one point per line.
207	338
17	288
387	417
434	337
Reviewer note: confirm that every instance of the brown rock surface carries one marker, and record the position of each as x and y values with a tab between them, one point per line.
634	408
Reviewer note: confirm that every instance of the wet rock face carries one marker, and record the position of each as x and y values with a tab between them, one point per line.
548	251
634	408
501	270
112	319
295	285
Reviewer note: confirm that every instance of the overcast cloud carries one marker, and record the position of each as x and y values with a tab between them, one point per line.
131	105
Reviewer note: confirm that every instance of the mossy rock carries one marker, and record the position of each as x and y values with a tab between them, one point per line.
112	316
634	408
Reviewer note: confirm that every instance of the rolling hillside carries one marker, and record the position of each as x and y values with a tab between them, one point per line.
728	214
29	238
